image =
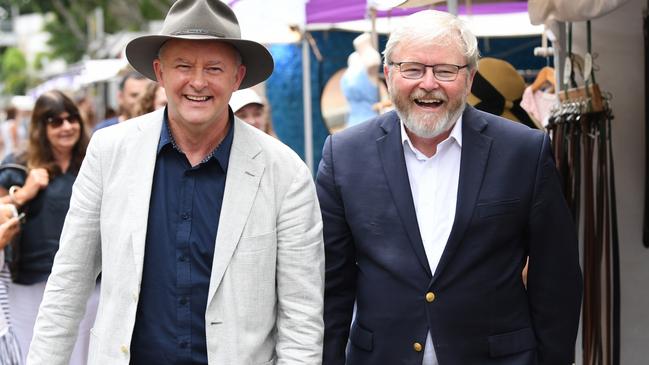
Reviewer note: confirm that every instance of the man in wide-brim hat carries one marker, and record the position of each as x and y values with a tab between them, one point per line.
206	231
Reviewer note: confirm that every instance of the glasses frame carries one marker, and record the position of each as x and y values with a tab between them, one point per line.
57	121
433	67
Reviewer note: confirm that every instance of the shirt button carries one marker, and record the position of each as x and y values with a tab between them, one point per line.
417	347
430	297
183	301
124	349
185	216
182	258
184	344
134	295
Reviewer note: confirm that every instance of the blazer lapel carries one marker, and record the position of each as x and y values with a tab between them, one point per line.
141	160
394	165
242	182
475	153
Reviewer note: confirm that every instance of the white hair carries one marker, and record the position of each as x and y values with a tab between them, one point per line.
432	26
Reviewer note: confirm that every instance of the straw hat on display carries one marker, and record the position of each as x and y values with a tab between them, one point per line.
498	89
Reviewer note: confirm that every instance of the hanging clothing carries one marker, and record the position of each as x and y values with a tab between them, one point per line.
538	104
543	11
361	94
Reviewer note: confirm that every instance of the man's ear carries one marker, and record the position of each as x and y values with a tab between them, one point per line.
469	81
386	73
241	73
157	68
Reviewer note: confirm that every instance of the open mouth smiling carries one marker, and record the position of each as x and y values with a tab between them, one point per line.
197	98
429	103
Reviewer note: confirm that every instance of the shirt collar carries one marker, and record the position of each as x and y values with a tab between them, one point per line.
456	135
221	152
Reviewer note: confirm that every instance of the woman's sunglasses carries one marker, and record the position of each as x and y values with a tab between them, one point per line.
56	122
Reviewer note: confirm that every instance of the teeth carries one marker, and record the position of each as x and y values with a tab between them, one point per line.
197	98
429	101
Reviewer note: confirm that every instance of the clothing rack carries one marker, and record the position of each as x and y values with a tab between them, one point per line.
580	128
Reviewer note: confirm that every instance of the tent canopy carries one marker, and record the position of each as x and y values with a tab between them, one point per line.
280	21
486	19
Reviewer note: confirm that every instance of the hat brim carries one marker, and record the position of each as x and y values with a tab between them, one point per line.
140	53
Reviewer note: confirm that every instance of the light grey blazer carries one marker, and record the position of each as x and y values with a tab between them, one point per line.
266	290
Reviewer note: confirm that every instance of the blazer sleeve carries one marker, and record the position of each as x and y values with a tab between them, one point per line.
300	274
554	276
340	261
76	267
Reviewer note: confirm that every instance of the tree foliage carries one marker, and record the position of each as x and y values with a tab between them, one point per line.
13	71
69	28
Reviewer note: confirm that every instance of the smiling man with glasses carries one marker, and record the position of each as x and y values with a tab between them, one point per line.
429	214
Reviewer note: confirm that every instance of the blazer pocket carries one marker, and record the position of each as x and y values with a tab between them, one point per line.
487	210
512	342
257	243
361	337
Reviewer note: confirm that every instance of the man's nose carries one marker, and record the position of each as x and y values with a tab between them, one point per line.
428	81
198	80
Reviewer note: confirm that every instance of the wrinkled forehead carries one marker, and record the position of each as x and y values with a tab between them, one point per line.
195	47
445	45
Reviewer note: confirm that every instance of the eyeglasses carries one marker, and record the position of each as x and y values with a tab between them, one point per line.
416	70
56	122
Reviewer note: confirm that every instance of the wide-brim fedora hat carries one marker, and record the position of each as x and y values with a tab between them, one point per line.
201	20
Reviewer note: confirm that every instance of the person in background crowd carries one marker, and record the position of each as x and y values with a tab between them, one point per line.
24	106
56	147
429	214
87	109
206	231
153	98
110	113
10	353
160	98
14	129
131	87
248	106
9	131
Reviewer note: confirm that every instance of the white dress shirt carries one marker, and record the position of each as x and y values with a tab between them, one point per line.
434	184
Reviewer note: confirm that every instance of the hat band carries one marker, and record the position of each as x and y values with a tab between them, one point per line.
197	32
492	101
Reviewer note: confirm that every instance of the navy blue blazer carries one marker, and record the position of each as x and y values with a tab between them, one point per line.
509	206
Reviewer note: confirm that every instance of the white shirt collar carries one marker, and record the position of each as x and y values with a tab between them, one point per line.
456	135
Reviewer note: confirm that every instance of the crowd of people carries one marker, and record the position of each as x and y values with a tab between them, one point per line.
182	231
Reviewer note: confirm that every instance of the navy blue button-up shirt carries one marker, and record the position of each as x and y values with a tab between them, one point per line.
183	220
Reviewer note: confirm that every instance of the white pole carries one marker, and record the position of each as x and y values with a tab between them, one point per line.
452	7
306	94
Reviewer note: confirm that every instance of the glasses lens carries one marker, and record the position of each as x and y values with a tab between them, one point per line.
412	70
58	121
55	121
74	118
445	72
